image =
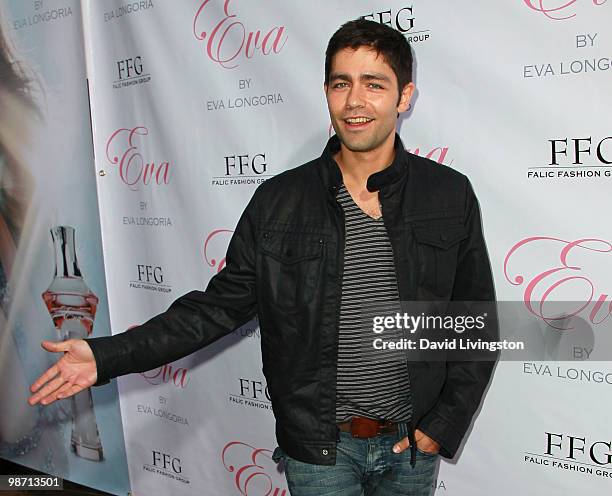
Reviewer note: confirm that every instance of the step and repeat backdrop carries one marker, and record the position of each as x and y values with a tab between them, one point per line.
193	104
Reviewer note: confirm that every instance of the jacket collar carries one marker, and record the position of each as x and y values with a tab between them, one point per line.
332	175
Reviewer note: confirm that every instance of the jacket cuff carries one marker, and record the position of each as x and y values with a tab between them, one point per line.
102	349
442	432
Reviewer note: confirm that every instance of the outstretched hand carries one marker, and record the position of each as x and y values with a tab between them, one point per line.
75	371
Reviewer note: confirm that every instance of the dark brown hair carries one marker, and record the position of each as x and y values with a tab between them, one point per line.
383	39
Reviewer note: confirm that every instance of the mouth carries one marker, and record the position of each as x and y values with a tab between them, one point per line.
357	122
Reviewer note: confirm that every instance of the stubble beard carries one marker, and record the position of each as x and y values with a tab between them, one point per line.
365	143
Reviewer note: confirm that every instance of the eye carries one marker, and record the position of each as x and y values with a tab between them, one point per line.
375	86
340	85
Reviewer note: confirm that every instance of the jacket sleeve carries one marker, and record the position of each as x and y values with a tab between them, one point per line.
466	381
194	320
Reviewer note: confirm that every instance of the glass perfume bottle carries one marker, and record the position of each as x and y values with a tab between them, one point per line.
72	306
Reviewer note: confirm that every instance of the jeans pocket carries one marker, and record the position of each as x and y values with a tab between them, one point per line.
425	453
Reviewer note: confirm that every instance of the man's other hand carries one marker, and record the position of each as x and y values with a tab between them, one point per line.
72	373
423	442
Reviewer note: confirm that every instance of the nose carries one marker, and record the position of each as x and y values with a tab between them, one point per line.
355	97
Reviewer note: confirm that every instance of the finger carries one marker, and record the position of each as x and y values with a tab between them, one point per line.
401	445
57	346
67	385
64	391
425	443
74	389
47	376
45	392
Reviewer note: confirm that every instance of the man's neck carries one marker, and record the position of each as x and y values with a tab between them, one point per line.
356	167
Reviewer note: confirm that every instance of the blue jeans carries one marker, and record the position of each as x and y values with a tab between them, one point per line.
365	467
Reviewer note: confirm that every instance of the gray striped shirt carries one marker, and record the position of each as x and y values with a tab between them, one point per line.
370	383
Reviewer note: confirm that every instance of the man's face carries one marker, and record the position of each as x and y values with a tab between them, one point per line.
362	97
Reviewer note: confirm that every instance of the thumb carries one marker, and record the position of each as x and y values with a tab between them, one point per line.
57	346
401	445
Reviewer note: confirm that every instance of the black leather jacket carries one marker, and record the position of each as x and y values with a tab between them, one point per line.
284	263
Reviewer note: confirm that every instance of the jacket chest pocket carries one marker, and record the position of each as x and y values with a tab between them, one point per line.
290	268
437	249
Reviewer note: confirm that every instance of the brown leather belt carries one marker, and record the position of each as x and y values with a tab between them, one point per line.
363	427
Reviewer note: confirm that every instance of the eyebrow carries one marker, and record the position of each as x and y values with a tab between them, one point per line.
368	76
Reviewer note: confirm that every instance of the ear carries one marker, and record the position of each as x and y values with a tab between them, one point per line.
405	97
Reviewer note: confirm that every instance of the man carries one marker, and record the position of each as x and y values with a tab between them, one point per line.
364	223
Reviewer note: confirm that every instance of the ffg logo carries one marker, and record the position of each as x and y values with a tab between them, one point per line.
577	148
166	462
245	164
254	390
130	72
129	68
149	273
403	20
577	448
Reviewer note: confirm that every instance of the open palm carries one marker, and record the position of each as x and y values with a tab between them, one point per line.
72	373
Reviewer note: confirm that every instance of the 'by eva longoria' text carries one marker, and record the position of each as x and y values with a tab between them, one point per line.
42	17
244	102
